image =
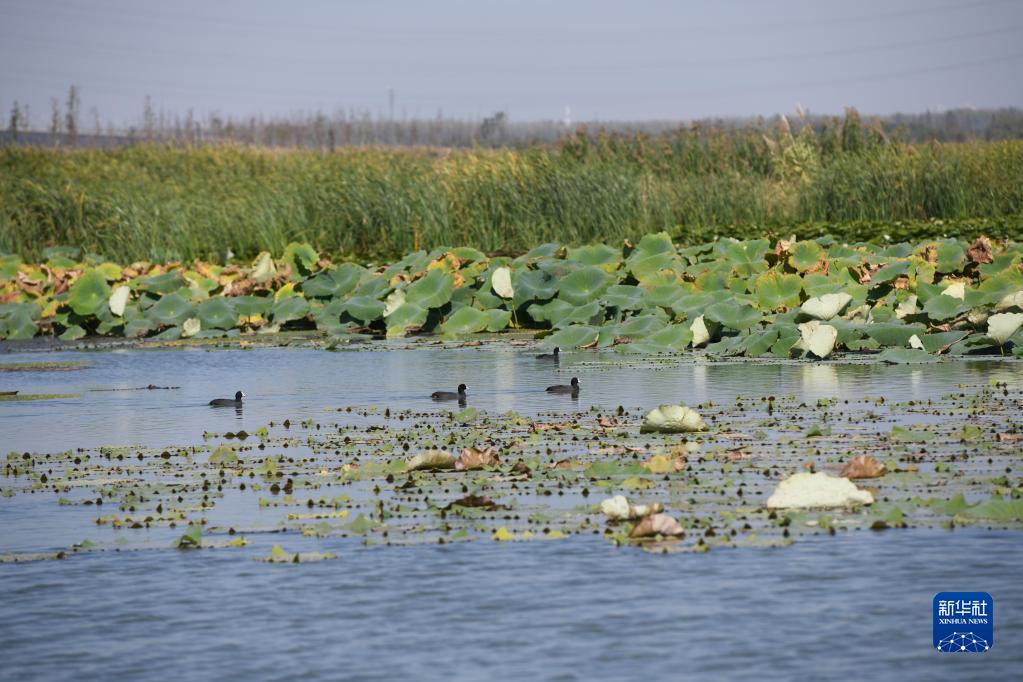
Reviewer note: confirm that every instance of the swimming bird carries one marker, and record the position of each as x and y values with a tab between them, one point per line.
562	388
227	402
448	395
552	357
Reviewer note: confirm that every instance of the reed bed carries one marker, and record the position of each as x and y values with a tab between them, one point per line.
163	203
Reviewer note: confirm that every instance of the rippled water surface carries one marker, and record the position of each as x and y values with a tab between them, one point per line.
856	605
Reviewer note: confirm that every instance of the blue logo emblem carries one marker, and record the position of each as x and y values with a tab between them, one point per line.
964	622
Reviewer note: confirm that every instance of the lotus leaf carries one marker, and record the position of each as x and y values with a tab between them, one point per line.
595	254
431	459
301	257
624	297
775	290
119	299
171	309
72	333
699	331
501	282
736	316
1003	325
818	338
497	319
827	306
88	293
431	291
674	336
805	255
575	336
364	308
672	419
533	285
747	257
465	321
288	309
217	313
584	285
943	307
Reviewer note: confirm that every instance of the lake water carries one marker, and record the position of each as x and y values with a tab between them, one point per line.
855	605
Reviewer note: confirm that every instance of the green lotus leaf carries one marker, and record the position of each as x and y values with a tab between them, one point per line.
302	258
760	342
365	308
572	337
652	244
250	306
944	307
290	308
136	328
584	285
747	257
775	290
890	334
338	282
548	250
320	286
595	254
376	286
169	334
483	296
533	285
431	291
646	268
415	263
217	313
674	336
166	283
18	321
465	320
805	255
467	254
88	293
733	315
906	356
8	267
172	309
72	333
934	343
624	297
638	327
950	257
553	311
664	296
71	253
889	272
406	317
497	319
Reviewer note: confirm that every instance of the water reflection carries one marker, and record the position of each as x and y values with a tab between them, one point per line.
301	384
820	381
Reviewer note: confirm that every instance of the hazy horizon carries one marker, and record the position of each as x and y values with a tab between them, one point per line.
654	60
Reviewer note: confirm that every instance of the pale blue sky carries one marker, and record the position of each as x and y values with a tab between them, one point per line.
642	59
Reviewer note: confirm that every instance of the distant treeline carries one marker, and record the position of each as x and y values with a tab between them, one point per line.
345	129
